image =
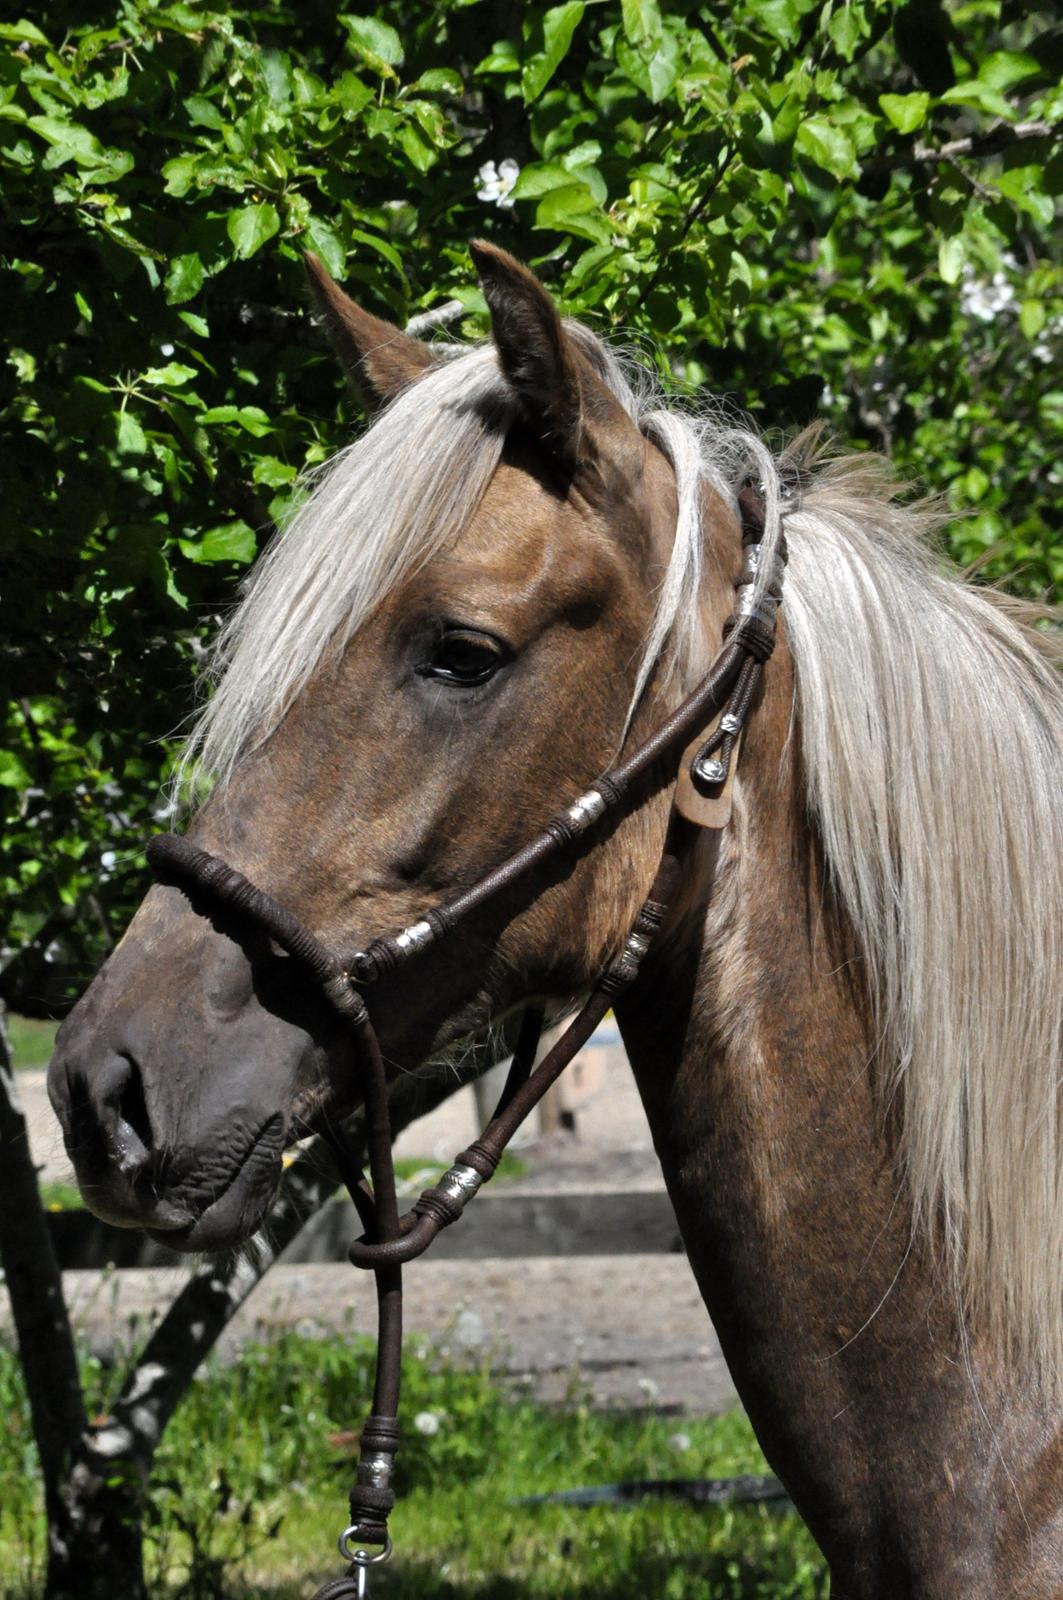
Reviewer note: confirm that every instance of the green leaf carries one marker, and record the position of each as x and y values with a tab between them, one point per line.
180	174
656	75
252	419
1024	187
1033	315
573	209
780	18
982	96
1003	68
376	41
352	93
906	111
503	58
439	80
951	258
198	324
173	376
203	113
231	541
130	435
559	26
22	32
420	155
828	145
383	247
642	21
13	775
277	72
273	473
326	242
847	27
75	142
250	227
539	177
184	279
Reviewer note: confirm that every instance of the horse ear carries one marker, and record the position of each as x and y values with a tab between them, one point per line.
379	359
535	353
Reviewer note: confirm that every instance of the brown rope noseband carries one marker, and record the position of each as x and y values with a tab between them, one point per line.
391	1240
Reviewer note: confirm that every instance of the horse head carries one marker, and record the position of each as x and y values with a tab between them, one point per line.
455	635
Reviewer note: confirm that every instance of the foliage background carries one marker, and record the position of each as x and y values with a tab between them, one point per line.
842	209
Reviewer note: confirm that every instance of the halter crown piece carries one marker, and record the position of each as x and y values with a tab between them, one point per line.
391	1240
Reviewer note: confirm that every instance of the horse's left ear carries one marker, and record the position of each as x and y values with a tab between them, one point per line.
577	418
379	359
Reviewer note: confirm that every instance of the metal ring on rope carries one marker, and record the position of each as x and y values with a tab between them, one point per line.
360	1557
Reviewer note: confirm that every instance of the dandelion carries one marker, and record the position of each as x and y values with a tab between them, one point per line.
680	1442
649	1388
427	1422
496	183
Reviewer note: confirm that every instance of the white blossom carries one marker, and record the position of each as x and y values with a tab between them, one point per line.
427	1422
496	183
986	298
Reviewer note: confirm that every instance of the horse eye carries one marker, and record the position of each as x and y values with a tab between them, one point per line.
461	656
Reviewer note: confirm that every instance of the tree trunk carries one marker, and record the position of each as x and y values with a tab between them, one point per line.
92	1506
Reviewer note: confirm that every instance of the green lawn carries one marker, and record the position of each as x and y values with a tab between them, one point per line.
31	1041
250	1491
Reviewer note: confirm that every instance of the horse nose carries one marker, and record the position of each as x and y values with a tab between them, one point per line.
106	1111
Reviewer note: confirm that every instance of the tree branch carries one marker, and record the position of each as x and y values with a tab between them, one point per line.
990	143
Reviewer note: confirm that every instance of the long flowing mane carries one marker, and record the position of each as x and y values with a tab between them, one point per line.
931	724
930	719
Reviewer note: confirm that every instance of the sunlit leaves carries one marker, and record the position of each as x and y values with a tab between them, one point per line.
251	226
559	25
906	112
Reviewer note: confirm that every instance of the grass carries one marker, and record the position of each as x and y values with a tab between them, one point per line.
249	1490
31	1041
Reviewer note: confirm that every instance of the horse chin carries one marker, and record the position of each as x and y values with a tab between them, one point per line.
234	1215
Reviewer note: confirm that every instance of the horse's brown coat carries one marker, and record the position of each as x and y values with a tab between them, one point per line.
922	1468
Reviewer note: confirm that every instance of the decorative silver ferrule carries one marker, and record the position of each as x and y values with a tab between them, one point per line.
753	560
637	944
375	1469
415	937
709	771
461	1183
585	811
729	723
762	609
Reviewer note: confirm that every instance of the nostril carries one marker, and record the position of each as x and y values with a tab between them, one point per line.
133	1108
123	1115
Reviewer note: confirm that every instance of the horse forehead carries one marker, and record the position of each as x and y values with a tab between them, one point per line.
527	536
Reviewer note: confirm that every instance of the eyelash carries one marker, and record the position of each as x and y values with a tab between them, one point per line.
484	656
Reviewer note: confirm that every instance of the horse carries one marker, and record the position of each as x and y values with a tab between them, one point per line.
846	1036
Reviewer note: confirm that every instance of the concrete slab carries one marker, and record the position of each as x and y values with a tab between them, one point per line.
628	1331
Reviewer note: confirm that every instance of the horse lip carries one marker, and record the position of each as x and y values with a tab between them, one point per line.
223	1222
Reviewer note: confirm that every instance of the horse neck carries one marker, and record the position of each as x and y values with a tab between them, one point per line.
750	1039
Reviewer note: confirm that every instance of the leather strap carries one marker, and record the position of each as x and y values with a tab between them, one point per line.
718	708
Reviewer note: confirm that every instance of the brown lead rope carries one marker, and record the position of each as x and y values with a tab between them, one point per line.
390	1240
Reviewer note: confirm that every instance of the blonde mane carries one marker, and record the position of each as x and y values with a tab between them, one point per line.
930	722
931	726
